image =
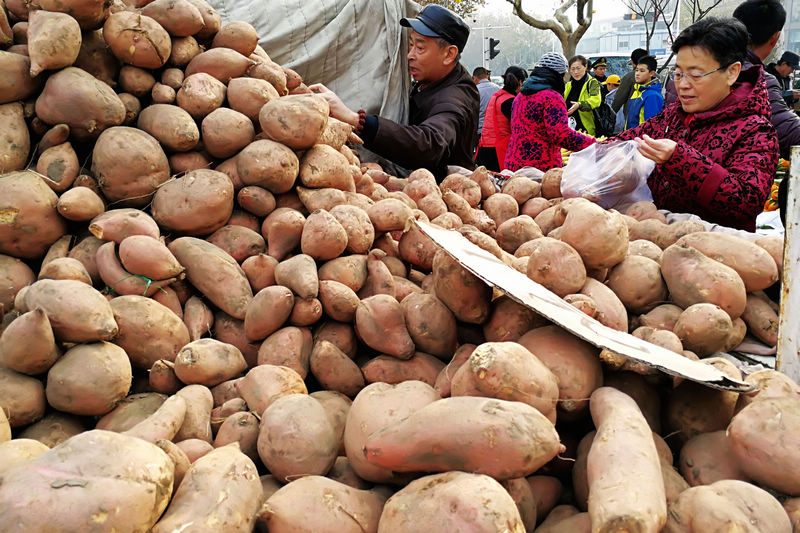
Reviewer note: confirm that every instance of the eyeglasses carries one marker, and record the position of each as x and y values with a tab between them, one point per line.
694	78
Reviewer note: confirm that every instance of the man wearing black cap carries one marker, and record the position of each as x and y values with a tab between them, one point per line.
444	101
788	63
626	88
599	73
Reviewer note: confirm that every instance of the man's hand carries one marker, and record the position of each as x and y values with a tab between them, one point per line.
658	150
338	109
574	107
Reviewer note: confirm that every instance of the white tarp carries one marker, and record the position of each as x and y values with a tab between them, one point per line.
357	48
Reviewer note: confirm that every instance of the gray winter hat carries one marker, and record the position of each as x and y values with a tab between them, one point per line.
554	61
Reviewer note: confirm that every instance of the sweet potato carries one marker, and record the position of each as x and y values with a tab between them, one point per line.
148	331
295	120
357	225
137	39
599	236
774	247
283	230
120	280
501	207
289	347
183	50
178	17
18	451
32	223
551	183
388	369
197	421
556	265
171	125
522	189
212	21
572	361
323	237
380	279
299	274
378	405
133	478
637	282
703	328
466	188
792	507
380	323
248	95
260	271
266	69
134	176
200	94
727	504
268	311
256	200
237	35
215	274
620	428
15	140
508	371
761	320
208	362
509	320
241	428
21	397
221	63
546	491
238	241
754	265
197	204
58	166
349	270
65	268
694	278
409	445
136	81
516	231
770	384
336	406
707	458
268	164
130	411
334	370
288	452
149	257
14	275
194	501
423	499
80	204
264	384
646	249
323	166
77	312
610	310
324	505
430	324
693	409
760	436
27	345
89	379
467	296
18	84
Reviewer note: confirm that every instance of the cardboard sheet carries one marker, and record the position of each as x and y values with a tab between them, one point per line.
533	295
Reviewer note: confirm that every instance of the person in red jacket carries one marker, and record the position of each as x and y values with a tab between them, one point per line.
539	126
497	121
715	149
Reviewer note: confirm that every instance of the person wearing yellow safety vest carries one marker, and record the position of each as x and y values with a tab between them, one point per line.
646	100
582	94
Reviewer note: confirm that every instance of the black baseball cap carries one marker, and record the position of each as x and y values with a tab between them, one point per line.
791	59
438	21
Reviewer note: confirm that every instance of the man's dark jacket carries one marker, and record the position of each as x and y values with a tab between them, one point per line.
785	121
442	121
785	82
624	92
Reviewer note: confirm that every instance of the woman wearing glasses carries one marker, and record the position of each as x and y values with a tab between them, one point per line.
715	148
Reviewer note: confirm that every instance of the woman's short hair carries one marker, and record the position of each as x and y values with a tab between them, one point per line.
724	38
512	77
583	60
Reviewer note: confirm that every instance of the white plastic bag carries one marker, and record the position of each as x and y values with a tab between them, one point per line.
609	174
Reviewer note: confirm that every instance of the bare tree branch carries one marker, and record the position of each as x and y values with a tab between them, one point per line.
560	23
561	15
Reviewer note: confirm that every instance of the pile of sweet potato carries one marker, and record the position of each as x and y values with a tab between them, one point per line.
216	318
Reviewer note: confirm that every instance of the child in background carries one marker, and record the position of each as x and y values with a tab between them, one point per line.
646	100
611	85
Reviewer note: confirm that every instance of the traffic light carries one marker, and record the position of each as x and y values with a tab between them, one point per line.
493	50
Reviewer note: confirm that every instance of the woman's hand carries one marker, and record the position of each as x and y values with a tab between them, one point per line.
574	107
338	109
658	150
